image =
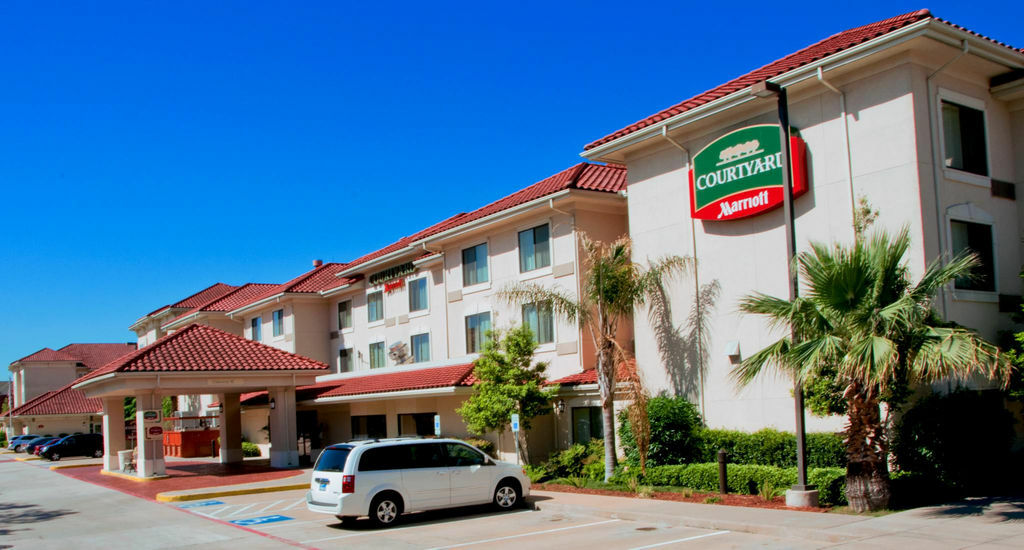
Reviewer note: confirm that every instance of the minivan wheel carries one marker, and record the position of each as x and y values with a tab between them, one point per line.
385	509
506	496
98	453
55	457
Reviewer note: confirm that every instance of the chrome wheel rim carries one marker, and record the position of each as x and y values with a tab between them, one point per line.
387	511
505	497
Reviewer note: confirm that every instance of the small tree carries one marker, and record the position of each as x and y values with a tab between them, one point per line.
508	383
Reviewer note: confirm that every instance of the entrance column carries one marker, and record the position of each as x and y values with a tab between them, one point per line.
230	428
151	452
113	431
284	449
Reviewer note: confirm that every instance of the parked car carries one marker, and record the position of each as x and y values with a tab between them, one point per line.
12	445
23	445
384	478
33	446
75	445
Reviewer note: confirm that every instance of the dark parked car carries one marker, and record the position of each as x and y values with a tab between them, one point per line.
24	443
19	439
75	445
33	447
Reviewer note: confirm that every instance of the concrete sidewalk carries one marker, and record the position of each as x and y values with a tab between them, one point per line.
993	522
300	480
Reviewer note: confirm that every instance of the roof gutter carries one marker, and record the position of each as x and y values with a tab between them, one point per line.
376	261
930	28
275	298
495	217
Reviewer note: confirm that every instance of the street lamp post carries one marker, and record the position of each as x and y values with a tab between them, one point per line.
802	493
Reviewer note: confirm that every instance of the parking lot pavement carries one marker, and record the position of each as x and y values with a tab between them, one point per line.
284	515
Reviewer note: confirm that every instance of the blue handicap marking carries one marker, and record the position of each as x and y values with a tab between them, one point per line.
260	520
200	504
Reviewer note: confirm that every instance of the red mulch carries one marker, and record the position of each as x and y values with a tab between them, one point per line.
184	475
749	501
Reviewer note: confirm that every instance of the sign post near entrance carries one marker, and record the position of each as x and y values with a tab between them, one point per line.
437	425
515	433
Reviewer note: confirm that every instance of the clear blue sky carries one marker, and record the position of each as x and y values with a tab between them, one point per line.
149	149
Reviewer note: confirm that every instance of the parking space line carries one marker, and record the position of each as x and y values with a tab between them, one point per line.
269	506
695	537
546	531
240	510
296	503
396	529
273	525
213	513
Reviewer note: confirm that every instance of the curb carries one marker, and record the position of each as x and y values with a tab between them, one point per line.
703	523
66	466
131	477
26	458
166	497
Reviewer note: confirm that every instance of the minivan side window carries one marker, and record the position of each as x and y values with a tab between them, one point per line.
426	455
461	455
384	458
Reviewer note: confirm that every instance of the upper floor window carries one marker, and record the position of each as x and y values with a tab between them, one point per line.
538	317
477	327
345	360
474	265
378	355
418	294
278	322
375	306
977	238
256	329
420	348
534	248
963	130
345	314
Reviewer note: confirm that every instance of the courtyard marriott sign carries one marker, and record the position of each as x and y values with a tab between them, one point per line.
740	174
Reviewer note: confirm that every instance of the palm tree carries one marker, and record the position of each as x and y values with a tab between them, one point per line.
611	286
864	325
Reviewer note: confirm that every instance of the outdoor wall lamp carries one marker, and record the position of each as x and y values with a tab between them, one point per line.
272	403
560	406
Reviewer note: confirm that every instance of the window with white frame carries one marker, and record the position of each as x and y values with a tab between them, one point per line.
477	327
964	139
278	317
346	361
534	248
345	315
375	306
420	347
378	355
539	318
256	329
418	295
474	265
976	238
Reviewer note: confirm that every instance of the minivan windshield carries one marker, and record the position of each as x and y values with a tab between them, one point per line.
332	459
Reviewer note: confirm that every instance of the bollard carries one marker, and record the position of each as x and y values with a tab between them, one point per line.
723	480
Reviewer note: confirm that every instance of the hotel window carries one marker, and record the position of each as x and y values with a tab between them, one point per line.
418	294
538	317
587	424
963	131
474	265
976	238
345	314
378	355
477	327
374	426
278	322
420	348
375	306
345	360
257	329
416	424
534	249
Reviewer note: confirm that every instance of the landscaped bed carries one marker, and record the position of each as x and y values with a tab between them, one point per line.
677	494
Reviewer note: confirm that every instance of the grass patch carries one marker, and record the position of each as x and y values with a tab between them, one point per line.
849	511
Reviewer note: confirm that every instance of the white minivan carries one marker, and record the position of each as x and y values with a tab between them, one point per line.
386	477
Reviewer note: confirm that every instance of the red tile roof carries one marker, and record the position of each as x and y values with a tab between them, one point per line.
95	356
829	46
47	354
66	400
199	348
209	293
589	376
315	280
302	393
230	301
433	377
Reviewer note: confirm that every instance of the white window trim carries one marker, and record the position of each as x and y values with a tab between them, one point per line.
972	213
408	294
277	337
549	346
953	174
430	344
482	308
540	271
480	287
351	316
371	342
384	309
490	275
352	356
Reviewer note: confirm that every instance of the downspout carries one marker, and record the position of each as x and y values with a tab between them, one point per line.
936	167
846	146
696	281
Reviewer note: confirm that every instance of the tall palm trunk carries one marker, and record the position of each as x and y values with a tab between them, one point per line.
867	474
606	371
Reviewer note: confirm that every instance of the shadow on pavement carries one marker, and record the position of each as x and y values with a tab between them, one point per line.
996	509
438	516
23	514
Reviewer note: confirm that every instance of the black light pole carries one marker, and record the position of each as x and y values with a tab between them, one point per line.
768	89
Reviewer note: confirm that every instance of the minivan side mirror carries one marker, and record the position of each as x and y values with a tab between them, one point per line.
488	461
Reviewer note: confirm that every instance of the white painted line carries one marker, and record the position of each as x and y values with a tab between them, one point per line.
286	524
240	510
296	503
269	506
715	534
375	531
215	512
485	541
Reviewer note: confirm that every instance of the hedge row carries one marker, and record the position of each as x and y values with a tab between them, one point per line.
773	448
746	479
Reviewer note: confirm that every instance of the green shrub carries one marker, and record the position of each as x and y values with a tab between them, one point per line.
482	444
749	479
250	449
770	447
537	474
579	460
675	432
594	470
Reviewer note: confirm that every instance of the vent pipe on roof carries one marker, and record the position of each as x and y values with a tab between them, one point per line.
318	263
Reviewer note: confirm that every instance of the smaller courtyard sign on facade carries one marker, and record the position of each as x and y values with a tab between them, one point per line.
740	173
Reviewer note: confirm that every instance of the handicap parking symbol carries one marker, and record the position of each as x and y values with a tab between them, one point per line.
260	520
200	504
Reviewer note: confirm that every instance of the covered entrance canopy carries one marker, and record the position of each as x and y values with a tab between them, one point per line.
200	360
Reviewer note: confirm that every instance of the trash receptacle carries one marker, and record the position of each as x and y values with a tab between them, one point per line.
123	459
